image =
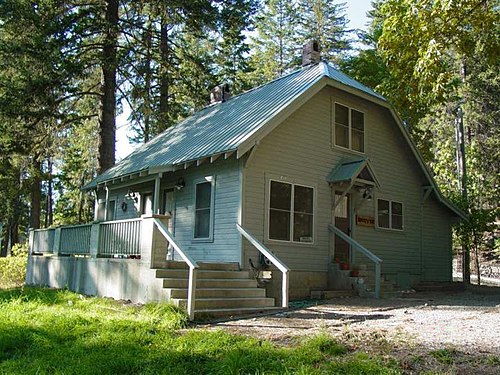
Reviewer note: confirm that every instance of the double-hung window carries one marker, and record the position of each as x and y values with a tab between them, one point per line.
291	212
389	214
349	128
203	211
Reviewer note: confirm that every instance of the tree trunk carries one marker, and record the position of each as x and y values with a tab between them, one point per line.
147	82
49	216
107	126
36	195
6	240
164	78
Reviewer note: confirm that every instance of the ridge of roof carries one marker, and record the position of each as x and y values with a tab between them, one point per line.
225	126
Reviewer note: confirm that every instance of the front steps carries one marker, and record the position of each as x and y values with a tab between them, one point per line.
222	289
342	284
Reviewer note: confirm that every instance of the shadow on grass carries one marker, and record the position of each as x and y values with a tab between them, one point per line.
44	350
46	296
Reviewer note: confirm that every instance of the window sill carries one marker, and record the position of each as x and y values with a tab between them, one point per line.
289	243
348	150
390	230
202	240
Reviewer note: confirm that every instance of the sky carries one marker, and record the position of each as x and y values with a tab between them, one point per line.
355	12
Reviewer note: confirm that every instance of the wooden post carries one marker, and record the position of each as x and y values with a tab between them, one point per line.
94	240
156	196
147	239
284	289
191	292
57	242
377	280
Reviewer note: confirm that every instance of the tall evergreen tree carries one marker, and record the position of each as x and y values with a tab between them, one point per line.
273	48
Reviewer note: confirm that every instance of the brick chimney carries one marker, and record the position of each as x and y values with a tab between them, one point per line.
220	94
311	53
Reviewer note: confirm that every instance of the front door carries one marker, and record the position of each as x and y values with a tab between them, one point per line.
342	222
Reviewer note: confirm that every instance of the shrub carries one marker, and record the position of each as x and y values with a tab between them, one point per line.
13	268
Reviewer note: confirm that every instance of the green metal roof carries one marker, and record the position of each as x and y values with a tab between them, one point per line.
347	171
224	127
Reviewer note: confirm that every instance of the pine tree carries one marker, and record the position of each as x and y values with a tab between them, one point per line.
273	48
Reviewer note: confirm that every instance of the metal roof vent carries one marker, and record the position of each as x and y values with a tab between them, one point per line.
311	53
220	93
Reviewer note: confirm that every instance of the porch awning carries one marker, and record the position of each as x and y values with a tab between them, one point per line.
353	171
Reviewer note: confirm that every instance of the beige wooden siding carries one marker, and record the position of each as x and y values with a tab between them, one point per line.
436	243
300	150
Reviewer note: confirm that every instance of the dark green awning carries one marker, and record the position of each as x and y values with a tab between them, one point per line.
353	171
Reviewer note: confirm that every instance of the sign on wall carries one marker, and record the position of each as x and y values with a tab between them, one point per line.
365	221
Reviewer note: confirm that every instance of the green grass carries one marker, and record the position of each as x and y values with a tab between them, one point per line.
46	331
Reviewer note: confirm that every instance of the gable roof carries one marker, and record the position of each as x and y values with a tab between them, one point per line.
224	127
351	170
237	124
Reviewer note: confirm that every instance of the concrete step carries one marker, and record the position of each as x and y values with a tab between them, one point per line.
220	292
210	283
204	314
225	303
228	266
202	274
173	264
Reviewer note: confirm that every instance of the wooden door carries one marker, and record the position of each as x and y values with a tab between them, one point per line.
342	222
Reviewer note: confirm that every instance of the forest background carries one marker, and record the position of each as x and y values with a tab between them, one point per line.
68	68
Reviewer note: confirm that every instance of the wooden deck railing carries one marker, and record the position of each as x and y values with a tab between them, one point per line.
75	239
363	250
43	240
274	260
120	237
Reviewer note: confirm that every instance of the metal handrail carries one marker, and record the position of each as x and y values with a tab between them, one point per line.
357	246
193	266
274	260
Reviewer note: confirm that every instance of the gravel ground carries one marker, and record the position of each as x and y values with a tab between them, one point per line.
465	324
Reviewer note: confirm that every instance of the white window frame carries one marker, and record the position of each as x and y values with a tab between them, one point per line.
211	180
292	211
390	215
350	109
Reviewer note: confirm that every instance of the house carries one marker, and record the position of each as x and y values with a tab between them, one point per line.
292	180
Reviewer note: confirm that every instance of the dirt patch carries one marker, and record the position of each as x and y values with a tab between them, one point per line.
455	332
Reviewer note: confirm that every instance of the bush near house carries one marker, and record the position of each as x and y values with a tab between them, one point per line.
13	268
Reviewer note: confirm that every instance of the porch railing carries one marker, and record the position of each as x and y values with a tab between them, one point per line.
121	237
75	239
273	259
193	266
363	250
43	240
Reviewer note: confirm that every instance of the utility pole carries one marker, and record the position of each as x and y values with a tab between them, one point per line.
465	243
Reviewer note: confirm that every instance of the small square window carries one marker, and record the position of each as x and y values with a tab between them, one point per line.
389	214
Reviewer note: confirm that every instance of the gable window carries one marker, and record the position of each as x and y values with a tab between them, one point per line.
203	211
389	214
349	128
291	213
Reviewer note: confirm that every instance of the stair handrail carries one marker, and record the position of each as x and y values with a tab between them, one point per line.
357	246
273	259
193	266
